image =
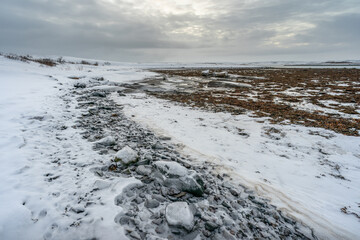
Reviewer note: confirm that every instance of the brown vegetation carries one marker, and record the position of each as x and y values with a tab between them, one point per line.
268	96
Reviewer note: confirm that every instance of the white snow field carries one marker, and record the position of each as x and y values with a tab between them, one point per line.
38	146
35	153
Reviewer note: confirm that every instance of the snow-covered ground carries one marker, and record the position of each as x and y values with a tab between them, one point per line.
284	163
46	165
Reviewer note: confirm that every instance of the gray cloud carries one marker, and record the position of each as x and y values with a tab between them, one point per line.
205	30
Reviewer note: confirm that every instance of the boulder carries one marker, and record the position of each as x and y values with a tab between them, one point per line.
171	169
185	184
179	214
126	156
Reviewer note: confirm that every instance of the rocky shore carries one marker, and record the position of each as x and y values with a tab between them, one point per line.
172	198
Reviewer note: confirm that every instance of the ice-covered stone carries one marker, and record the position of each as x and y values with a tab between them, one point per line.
126	156
205	73
221	74
144	170
179	214
171	169
107	141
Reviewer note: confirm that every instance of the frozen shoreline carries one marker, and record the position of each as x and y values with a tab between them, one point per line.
32	114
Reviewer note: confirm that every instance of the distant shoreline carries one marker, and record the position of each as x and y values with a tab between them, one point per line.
322	65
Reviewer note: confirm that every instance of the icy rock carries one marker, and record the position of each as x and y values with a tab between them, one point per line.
107	141
187	184
179	214
205	73
78	209
193	184
126	156
171	169
98	94
221	74
144	170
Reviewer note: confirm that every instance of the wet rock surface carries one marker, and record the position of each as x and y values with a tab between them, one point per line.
177	199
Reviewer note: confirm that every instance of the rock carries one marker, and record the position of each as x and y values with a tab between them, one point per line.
80	85
226	204
179	214
234	193
211	226
157	221
223	74
78	209
106	141
151	203
144	170
205	73
135	235
226	235
125	220
206	233
195	235
157	146
98	94
158	197
192	184
126	156
171	169
160	229
186	184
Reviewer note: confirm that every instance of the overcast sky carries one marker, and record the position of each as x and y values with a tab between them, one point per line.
183	30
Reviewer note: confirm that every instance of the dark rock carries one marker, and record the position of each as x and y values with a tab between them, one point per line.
151	203
125	220
160	229
175	231
157	221
234	193
158	197
135	235
211	226
80	85
226	204
99	94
